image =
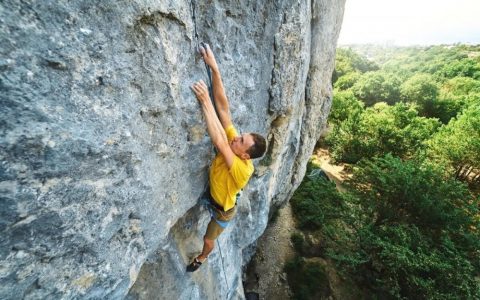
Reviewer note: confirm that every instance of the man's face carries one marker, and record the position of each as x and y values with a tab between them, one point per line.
240	145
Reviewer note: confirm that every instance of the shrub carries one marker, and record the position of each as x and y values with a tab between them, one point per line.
298	242
307	279
316	202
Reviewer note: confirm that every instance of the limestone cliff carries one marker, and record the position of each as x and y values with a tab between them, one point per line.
104	151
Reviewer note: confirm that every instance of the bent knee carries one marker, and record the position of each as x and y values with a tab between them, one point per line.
208	241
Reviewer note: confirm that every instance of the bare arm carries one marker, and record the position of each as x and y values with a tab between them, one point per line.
214	127
219	94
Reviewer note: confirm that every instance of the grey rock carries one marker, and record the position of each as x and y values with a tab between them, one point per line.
104	151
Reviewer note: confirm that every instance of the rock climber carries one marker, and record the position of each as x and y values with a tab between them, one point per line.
232	167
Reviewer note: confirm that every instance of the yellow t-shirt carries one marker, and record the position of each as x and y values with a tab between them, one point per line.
225	183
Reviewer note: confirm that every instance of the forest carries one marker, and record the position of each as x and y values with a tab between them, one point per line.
406	122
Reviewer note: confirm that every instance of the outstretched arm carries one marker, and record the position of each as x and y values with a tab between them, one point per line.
214	127
220	98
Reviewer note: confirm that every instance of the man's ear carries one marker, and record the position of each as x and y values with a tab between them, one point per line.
245	156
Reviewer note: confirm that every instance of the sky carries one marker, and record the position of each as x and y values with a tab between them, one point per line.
411	22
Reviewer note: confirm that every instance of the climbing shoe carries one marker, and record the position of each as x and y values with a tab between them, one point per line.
192	267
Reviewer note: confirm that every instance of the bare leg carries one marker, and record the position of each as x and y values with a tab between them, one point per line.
207	248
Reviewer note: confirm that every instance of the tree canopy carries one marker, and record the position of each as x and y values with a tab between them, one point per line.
377	130
458	144
407	226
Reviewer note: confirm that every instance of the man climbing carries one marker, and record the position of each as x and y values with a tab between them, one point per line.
232	167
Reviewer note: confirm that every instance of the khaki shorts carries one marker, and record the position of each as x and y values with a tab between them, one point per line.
214	229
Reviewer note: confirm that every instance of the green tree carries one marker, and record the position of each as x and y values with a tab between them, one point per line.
373	87
316	202
344	106
456	94
408	227
459	86
457	145
422	90
379	130
347	81
307	279
460	68
348	61
419	238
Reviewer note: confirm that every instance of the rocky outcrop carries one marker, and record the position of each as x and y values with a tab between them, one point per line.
104	152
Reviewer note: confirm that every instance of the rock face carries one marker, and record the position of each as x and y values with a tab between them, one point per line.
104	150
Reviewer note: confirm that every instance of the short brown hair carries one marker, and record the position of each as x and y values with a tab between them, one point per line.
259	147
